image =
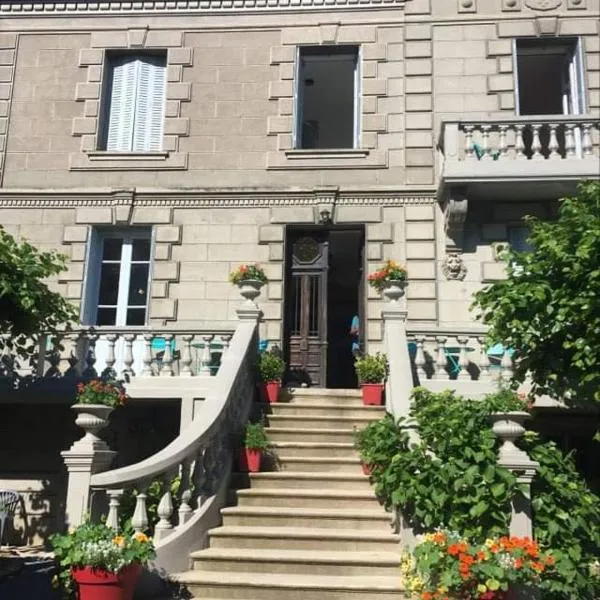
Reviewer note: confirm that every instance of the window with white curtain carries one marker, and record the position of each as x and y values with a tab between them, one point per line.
134	103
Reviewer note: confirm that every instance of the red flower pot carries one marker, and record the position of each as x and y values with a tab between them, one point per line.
372	394
99	584
366	469
253	458
272	389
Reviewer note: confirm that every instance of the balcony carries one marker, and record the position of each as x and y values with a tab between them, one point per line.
519	157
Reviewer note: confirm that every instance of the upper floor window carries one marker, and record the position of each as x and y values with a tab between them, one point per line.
134	103
549	77
518	238
327	97
118	277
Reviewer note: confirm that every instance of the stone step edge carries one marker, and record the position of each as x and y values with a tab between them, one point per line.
328	406
318	460
353	557
283	475
309	430
326	392
334	513
332	494
304	533
314	445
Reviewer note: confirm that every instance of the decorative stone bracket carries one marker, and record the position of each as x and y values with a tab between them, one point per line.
455	214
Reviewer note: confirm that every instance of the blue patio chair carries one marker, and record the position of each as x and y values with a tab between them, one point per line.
496	352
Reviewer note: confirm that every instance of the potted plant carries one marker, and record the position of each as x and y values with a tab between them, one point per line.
94	402
372	370
103	564
446	565
271	368
390	280
250	279
255	442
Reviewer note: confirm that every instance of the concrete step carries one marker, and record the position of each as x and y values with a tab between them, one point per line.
274	586
311	396
311	537
297	562
321	518
319	422
321	481
317	464
308	498
298	434
339	409
320	449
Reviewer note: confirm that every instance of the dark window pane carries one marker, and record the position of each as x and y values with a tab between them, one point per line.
136	316
141	250
112	249
106	316
109	283
138	285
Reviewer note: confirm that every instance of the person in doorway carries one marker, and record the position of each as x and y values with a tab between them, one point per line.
355	336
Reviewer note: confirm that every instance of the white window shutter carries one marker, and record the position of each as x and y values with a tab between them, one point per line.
150	105
122	104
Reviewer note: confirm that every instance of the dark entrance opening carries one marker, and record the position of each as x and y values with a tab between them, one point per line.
324	275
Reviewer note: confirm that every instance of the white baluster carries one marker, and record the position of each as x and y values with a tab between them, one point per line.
112	519
420	359
128	355
469	150
167	362
553	143
139	521
111	338
463	361
519	143
506	365
536	145
485	142
569	140
225	339
147	357
205	363
484	361
185	510
165	509
441	359
586	143
74	358
186	355
90	355
502	145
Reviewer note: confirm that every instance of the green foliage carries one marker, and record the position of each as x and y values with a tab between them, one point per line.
547	309
100	546
256	437
391	271
27	306
97	391
451	479
244	272
378	442
271	366
371	368
507	400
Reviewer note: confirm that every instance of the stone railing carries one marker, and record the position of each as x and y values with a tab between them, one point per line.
126	351
554	146
200	456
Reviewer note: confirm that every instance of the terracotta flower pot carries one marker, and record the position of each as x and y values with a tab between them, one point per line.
272	389
99	584
372	394
366	469
253	459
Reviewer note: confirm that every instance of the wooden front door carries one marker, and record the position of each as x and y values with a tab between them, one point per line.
307	307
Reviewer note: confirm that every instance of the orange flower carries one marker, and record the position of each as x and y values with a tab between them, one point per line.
549	560
453	550
427	596
439	538
141	537
518	563
481	556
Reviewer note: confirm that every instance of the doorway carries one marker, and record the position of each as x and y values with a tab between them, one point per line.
323	293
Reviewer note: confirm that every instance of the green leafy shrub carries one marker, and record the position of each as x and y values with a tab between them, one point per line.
371	368
451	480
97	391
379	441
256	437
271	366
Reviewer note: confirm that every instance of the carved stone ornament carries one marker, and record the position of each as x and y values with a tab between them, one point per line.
543	4
453	267
455	214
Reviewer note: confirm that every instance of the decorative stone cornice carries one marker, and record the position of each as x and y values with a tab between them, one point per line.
204	199
51	7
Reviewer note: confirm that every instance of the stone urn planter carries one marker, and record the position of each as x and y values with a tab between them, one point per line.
394	290
509	427
92	418
250	289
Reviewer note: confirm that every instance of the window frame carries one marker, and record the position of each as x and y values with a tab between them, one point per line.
298	97
110	58
90	304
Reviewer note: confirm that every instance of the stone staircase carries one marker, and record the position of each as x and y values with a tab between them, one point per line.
312	529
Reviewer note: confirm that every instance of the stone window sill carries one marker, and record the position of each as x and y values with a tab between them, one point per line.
335	158
101	160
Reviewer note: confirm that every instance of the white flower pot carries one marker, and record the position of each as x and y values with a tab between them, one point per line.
509	427
394	290
92	418
250	288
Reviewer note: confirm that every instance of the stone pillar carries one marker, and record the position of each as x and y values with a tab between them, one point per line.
85	458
